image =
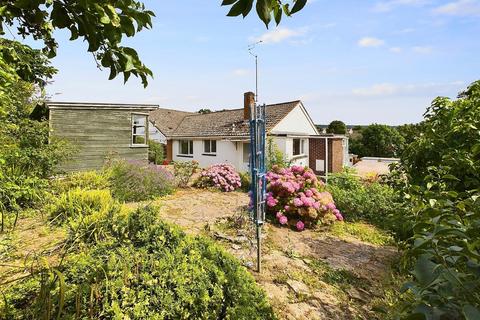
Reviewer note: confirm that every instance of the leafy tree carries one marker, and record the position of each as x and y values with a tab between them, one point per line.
100	23
337	127
380	140
410	132
356	147
439	175
26	157
204	111
104	23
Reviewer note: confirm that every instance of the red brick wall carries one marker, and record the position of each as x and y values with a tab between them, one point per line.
335	154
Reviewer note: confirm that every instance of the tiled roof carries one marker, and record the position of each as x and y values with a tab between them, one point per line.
167	120
228	123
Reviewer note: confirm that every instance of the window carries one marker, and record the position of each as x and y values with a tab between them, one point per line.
186	147
246	153
139	129
210	146
298	147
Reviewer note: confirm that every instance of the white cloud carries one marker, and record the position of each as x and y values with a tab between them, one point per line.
460	8
389	89
281	34
241	72
386	6
370	42
422	49
395	49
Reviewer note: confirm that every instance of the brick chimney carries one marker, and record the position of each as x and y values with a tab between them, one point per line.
248	101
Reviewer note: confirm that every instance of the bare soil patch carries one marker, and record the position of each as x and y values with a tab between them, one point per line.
33	242
307	275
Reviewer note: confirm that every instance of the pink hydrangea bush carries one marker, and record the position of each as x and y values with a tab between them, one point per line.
220	176
296	195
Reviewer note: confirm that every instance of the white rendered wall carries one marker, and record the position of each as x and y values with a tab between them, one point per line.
227	152
296	122
155	134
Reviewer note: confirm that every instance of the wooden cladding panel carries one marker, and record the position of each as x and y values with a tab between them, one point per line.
96	135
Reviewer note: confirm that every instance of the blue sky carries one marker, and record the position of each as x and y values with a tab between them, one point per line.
357	61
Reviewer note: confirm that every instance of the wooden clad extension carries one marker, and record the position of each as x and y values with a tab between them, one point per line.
97	132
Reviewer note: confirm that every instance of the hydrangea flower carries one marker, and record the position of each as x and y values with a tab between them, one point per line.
221	176
297	193
283	220
300	226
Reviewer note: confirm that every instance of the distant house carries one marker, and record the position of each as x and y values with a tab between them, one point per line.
223	136
99	131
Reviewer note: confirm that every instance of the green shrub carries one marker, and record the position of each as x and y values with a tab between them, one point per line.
245	180
184	171
439	176
151	270
155	152
89	180
138	181
274	156
78	203
373	202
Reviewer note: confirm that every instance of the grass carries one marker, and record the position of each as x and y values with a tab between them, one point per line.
336	277
363	232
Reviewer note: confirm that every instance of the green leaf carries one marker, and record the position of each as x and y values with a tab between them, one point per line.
277	13
424	270
299	4
228	2
238	8
263	11
470	312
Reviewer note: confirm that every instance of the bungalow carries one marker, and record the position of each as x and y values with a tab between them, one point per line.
100	131
223	136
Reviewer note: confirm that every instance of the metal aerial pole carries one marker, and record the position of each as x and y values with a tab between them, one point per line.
257	163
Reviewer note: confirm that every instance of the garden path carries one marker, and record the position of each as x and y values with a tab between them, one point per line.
307	275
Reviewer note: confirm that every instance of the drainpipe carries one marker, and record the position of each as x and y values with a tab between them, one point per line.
326	159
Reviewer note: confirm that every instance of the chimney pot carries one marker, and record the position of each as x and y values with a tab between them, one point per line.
248	102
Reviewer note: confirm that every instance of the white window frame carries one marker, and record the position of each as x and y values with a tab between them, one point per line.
210	144
190	148
133	134
302	147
